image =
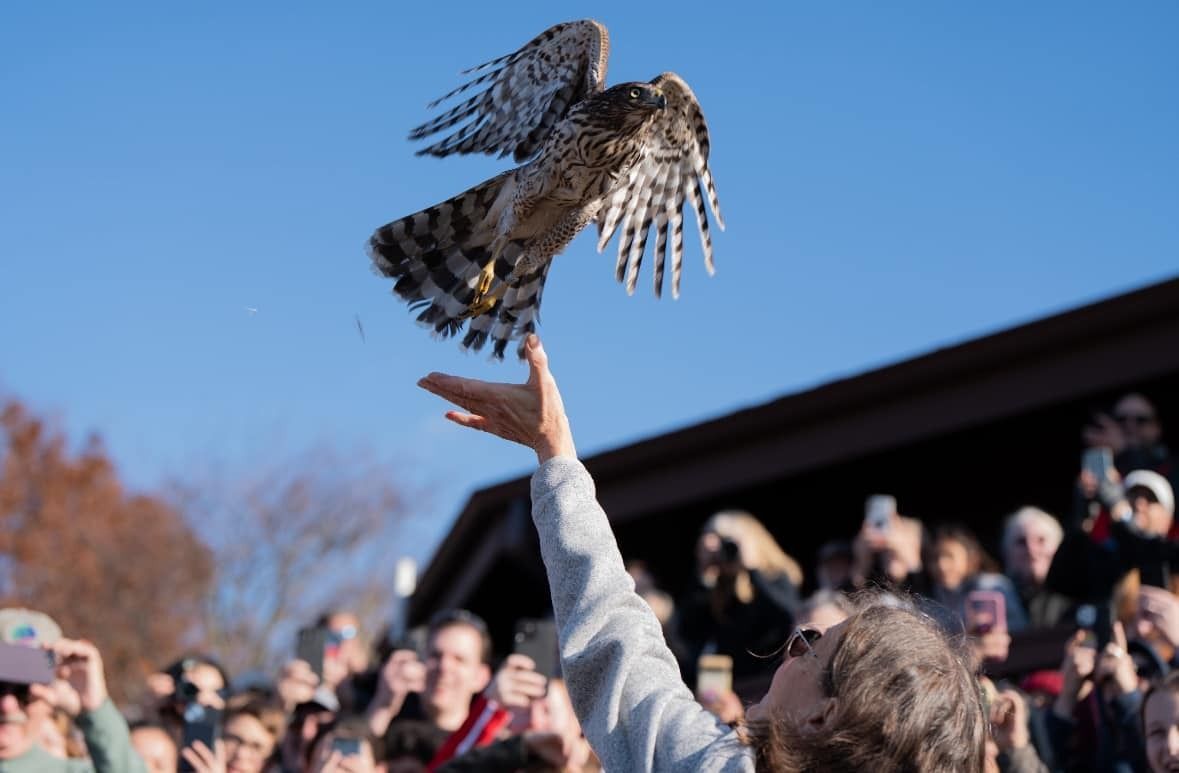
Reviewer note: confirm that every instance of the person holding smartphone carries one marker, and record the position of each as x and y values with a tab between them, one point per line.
833	701
25	673
745	596
345	747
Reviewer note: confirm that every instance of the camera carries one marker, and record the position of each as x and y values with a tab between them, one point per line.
186	691
730	551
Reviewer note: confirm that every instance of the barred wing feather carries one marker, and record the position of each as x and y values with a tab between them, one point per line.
525	94
673	170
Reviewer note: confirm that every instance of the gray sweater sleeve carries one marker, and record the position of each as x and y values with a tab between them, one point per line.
109	741
624	682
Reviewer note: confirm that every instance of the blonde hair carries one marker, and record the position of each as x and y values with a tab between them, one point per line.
765	555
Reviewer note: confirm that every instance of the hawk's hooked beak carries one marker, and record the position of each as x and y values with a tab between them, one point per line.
660	101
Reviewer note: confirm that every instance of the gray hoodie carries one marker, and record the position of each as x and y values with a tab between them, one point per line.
624	682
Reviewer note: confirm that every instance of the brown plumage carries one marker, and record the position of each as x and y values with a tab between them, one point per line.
627	157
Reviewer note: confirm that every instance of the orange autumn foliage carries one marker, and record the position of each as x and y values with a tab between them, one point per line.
121	569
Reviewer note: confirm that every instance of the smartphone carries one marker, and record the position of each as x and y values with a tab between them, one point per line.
879	510
538	640
986	611
203	724
21	664
1156	573
714	673
347	747
1095	621
311	647
1098	461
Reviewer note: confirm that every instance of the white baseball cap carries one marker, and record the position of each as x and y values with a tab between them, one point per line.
1155	483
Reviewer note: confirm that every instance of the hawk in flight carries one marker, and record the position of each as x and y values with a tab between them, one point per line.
626	157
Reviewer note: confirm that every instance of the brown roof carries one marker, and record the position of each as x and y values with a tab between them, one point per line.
1127	339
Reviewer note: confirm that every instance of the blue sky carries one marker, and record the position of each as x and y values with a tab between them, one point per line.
894	177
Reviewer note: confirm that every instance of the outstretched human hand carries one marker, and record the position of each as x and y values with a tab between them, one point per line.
530	414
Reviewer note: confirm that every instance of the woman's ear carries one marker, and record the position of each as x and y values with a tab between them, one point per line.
821	716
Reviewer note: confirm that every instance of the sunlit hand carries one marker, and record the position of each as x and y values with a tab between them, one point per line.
1115	666
1009	721
338	763
550	748
402	674
60	695
530	414
724	704
1080	658
1158	611
991	646
296	683
516	684
79	665
203	759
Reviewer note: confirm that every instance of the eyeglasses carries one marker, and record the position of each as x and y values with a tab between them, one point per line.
237	742
802	642
1138	419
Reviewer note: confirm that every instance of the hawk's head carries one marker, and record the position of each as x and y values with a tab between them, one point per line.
627	106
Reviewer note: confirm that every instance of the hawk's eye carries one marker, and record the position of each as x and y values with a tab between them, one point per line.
634	93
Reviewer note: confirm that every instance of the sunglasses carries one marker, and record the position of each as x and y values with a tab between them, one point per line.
1138	419
801	642
20	691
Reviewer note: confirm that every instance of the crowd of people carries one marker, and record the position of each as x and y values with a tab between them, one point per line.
909	651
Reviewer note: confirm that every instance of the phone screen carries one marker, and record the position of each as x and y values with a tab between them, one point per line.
1098	461
879	511
714	673
986	611
538	640
311	647
203	724
347	747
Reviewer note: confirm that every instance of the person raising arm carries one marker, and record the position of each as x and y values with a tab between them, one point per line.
833	704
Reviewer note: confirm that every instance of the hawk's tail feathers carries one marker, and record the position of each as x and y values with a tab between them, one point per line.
435	257
513	318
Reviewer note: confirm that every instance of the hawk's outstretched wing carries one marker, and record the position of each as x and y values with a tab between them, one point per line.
672	168
530	90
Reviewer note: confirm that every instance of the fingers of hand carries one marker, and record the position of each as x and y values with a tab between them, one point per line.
521	687
538	360
69	649
474	421
519	661
42	692
1084	660
200	756
1016	704
1001	710
192	759
412	676
447	387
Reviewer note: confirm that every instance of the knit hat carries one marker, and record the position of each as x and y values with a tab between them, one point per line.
1156	484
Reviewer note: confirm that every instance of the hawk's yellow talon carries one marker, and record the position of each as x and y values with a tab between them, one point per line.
484	300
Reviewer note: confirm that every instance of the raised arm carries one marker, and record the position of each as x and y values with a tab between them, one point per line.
622	678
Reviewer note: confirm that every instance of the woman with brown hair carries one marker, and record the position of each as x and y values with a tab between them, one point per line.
883	690
249	737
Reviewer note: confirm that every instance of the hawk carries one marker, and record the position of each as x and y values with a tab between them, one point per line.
626	157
